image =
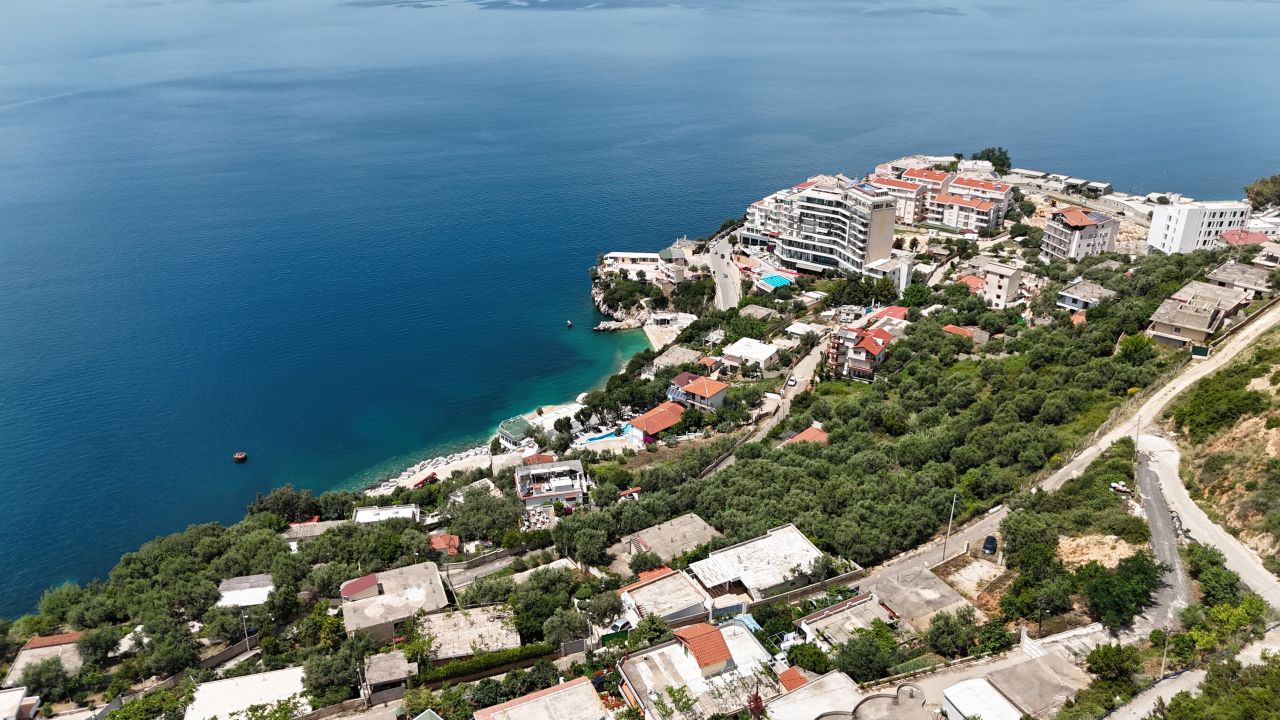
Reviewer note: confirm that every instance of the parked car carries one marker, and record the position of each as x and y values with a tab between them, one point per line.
619	625
989	545
791	381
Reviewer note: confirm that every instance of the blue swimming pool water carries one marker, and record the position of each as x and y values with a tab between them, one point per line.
775	280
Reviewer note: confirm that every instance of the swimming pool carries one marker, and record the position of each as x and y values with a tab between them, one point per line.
610	434
776	281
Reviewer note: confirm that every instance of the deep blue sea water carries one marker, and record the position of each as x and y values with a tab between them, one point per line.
343	235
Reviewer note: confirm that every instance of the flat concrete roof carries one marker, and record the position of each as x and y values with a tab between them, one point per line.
223	698
388	667
833	692
245	591
389	512
1242	275
668	594
1088	291
1041	684
573	700
670	665
674	537
1226	298
977	698
66	653
759	564
916	595
676	355
11	702
460	633
837	624
306	531
405	591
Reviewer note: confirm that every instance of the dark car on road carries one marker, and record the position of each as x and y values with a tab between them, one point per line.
989	545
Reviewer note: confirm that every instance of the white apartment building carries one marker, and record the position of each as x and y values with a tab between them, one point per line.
910	199
1187	227
1002	285
965	213
826	223
935	181
1074	232
993	191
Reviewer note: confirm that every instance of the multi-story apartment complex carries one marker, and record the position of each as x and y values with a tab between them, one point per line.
1002	285
966	213
935	181
827	223
910	199
1187	227
856	353
1074	232
993	191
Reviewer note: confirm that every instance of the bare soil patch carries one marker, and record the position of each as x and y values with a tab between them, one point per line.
1107	550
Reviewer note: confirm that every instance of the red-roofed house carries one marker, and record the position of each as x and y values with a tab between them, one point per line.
957	330
1240	236
1073	233
814	434
936	181
710	662
446	543
645	577
360	588
702	393
897	312
541	459
792	678
665	416
857	353
705	643
684	378
631	493
973	281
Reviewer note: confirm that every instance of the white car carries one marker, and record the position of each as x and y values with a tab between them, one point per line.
791	381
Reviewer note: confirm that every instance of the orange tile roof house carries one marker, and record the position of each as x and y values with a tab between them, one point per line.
665	416
446	543
717	666
792	678
700	392
812	434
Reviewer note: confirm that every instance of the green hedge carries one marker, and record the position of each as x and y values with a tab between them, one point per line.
485	661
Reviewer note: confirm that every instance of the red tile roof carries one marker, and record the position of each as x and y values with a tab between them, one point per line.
359	585
628	491
705	643
973	281
709	361
984	184
684	379
660	418
792	678
806	184
449	544
894	182
44	641
974	203
705	387
809	434
539	459
1240	236
926	174
1075	216
646	577
489	712
894	311
957	330
314	519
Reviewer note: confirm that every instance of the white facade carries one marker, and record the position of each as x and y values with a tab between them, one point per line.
993	191
1187	227
1002	285
1073	233
910	199
826	223
227	698
963	212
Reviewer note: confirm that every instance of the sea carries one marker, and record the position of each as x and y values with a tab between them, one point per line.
345	236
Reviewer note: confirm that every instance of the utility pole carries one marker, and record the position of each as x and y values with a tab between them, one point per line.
949	520
245	628
1164	655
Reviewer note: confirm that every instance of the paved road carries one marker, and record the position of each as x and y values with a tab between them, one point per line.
1240	558
1176	594
728	289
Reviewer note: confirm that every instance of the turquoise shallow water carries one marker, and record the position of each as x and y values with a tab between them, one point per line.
340	236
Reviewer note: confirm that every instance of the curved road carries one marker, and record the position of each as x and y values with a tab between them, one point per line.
725	272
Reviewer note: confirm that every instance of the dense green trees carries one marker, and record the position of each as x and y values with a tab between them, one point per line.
1264	191
331	677
1218	401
